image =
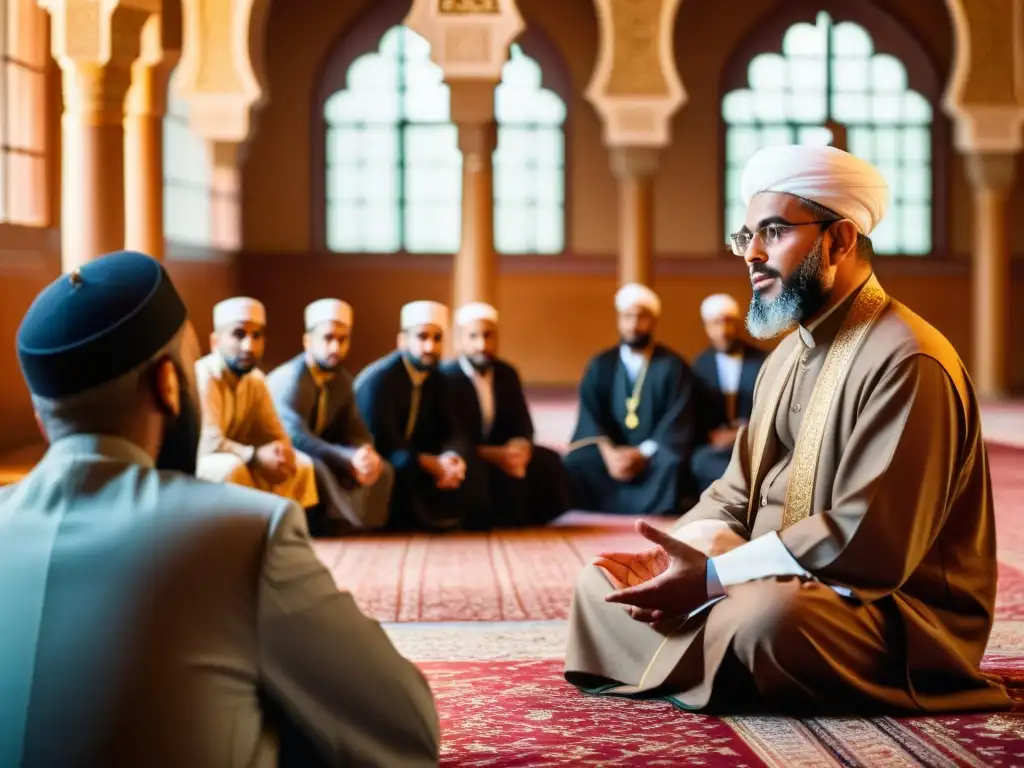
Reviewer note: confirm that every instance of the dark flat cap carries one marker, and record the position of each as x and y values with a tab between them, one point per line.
97	323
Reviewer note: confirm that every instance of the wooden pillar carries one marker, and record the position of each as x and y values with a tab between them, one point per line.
144	144
992	178
635	168
95	46
476	268
92	135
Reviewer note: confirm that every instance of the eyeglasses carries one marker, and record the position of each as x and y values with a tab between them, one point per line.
769	234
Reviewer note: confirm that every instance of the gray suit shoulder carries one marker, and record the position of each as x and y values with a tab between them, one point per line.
194	498
286	375
373	371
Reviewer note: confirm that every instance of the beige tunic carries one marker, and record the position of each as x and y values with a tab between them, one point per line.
899	512
239	417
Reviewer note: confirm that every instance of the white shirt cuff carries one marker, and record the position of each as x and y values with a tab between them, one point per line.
762	557
714	585
648	448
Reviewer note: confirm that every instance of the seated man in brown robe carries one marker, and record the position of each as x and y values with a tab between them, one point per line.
847	558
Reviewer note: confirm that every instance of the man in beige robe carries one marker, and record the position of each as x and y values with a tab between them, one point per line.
846	559
242	439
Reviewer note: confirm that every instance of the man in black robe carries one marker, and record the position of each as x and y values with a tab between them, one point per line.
525	482
406	404
726	374
637	422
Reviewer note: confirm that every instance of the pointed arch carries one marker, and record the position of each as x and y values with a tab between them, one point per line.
813	69
388	170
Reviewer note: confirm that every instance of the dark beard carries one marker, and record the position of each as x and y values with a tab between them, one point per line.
324	367
638	342
238	370
481	363
418	364
180	447
802	296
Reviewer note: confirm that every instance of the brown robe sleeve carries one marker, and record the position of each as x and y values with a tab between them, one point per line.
893	485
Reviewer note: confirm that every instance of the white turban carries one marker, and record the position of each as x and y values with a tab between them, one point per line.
322	310
469	313
717	306
240	309
841	182
636	295
424	313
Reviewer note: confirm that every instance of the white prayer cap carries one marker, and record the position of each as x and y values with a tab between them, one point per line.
636	295
322	310
240	309
469	313
717	306
424	313
841	182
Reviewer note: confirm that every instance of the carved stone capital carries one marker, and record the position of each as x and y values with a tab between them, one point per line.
988	68
95	93
472	101
477	142
220	74
636	87
992	171
95	45
990	128
469	39
151	71
634	162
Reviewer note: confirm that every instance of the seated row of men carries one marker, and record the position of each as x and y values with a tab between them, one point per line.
414	443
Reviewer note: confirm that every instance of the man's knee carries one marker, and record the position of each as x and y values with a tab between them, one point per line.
224	468
303	462
776	619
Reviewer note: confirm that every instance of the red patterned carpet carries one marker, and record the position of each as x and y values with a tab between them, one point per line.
484	616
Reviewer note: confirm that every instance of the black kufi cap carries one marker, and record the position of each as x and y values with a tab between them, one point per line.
98	323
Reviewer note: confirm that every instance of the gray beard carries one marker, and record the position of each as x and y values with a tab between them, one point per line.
802	295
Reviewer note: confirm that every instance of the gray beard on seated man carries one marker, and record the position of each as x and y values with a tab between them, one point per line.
801	297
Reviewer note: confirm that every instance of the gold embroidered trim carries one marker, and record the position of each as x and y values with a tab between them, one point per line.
862	316
633	401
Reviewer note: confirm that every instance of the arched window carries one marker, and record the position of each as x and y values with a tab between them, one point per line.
529	164
393	166
24	60
830	73
187	209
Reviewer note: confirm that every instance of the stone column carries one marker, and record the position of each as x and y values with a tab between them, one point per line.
476	268
95	45
636	90
635	168
992	178
469	42
985	98
225	195
221	78
144	142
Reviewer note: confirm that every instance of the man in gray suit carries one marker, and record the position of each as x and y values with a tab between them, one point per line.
152	619
313	395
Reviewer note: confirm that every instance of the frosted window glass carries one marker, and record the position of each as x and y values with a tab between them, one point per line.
792	94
